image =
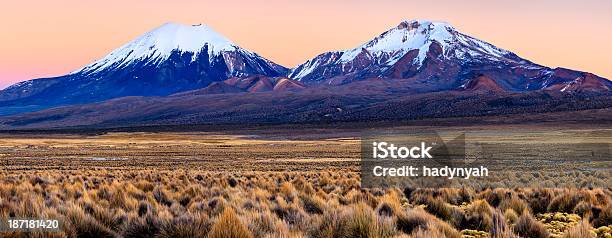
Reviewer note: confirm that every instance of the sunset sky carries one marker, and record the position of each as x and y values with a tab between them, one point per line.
52	38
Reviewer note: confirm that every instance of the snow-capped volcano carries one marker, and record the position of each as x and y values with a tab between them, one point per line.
159	44
169	59
434	56
391	45
385	50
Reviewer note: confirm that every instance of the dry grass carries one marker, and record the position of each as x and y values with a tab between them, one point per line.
528	227
191	186
582	230
228	225
186	203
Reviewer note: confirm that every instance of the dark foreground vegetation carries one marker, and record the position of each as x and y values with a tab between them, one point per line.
151	203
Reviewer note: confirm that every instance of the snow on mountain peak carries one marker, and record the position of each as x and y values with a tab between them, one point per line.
408	35
419	34
189	38
388	48
158	44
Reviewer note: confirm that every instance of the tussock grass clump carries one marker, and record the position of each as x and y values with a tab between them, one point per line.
412	220
216	205
539	199
312	204
162	196
478	215
83	225
355	196
417	222
603	216
232	182
511	216
390	204
361	221
291	214
441	209
148	226
185	226
331	224
457	196
516	204
565	202
288	191
528	227
110	218
499	227
421	233
265	224
228	225
582	230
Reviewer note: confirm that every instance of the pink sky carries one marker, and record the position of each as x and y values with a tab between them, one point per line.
51	38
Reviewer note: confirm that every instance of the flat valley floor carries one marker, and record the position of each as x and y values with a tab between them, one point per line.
279	183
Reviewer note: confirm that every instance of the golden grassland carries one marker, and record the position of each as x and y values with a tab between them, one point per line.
207	185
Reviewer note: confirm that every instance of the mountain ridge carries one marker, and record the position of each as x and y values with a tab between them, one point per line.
414	57
313	106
